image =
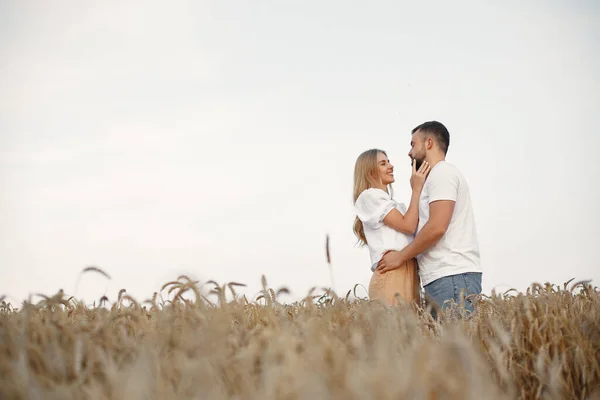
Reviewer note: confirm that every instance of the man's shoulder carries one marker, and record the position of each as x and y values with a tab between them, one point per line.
444	169
447	166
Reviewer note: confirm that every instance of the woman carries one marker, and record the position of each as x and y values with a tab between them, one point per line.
383	224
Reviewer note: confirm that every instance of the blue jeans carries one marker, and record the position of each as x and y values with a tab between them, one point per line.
450	287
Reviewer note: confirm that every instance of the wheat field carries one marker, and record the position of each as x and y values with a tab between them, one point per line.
201	344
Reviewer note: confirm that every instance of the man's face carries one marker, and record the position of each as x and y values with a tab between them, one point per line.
418	152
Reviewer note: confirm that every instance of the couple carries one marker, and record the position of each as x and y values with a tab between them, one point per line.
434	241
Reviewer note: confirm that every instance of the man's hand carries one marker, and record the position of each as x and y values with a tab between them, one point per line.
391	260
440	214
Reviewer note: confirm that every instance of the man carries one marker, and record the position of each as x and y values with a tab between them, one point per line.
446	245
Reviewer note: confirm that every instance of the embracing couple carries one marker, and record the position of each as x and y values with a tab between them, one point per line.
433	242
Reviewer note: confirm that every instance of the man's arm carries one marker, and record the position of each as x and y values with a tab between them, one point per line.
440	214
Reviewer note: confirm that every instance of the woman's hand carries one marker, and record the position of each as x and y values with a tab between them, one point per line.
417	179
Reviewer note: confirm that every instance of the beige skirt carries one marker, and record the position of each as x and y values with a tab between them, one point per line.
404	281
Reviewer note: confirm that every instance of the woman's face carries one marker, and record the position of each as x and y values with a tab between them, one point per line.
385	169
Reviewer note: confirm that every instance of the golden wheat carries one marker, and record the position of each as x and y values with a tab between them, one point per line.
544	344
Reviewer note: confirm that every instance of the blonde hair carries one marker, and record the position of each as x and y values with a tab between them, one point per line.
365	171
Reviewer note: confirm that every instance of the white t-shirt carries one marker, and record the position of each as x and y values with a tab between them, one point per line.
371	207
457	251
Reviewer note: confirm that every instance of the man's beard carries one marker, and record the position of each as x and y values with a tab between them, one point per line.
418	163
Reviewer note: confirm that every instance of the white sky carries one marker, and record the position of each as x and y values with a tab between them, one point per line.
218	139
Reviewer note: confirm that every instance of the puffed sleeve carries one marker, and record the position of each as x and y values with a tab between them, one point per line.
372	206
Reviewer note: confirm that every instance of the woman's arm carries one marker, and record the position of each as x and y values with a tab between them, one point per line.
408	222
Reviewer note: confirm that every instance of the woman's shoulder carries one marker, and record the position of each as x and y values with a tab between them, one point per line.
373	193
372	199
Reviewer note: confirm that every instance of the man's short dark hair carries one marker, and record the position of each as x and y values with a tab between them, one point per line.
438	131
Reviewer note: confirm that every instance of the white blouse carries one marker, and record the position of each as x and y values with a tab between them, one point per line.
371	208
